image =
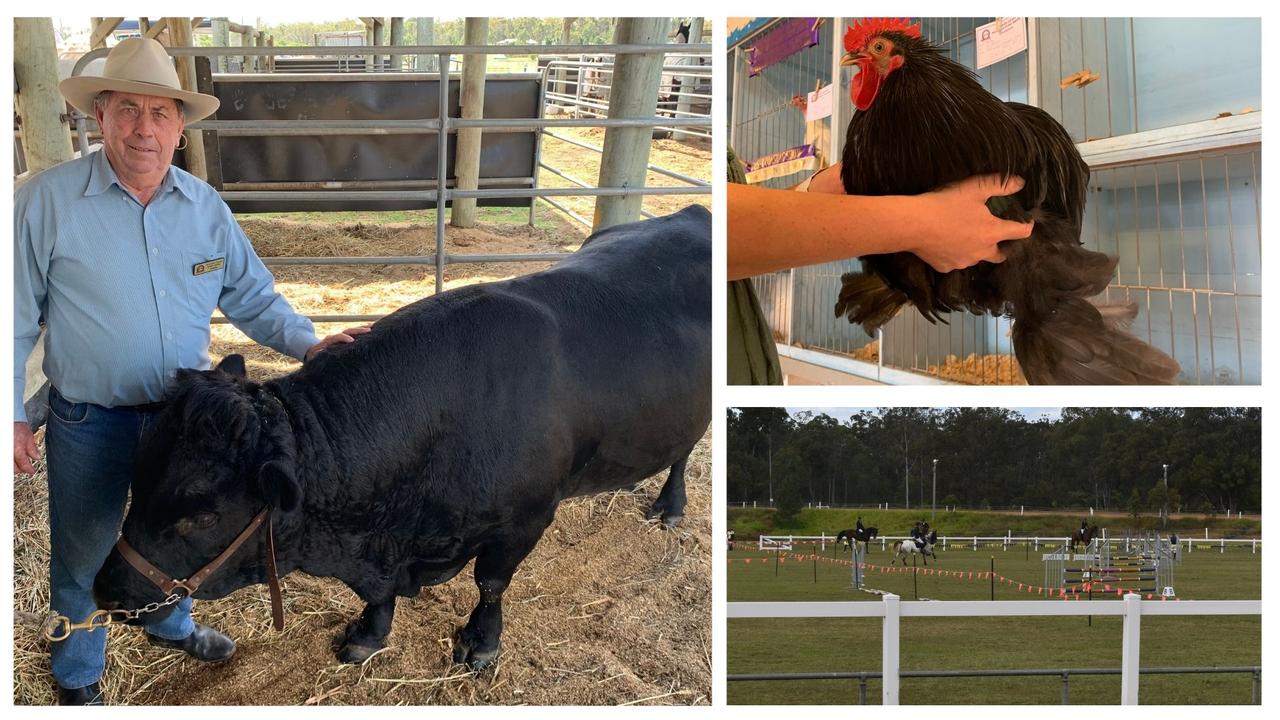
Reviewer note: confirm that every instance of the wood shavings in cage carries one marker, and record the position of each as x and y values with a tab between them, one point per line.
980	370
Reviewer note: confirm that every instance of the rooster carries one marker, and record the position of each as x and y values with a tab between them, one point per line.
924	122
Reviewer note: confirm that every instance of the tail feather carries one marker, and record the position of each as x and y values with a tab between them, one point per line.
866	300
1081	344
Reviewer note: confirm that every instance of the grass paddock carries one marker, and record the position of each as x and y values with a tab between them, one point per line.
852	645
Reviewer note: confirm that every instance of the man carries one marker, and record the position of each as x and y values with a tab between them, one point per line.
125	257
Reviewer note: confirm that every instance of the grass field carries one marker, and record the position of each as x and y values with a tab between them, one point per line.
822	645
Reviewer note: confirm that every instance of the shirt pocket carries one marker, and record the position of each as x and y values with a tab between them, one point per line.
204	273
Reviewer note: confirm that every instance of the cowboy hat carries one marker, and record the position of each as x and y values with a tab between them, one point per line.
142	67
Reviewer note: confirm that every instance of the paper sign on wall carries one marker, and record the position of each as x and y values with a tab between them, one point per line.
819	104
1001	39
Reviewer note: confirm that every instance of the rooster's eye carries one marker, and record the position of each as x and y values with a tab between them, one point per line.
879	46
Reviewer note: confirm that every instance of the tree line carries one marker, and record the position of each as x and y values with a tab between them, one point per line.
1101	458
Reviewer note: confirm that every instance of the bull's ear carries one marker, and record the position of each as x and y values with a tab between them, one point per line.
233	365
279	486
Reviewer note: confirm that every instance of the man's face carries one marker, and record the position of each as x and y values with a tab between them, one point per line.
140	133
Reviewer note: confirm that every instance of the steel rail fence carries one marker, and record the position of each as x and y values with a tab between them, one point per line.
442	127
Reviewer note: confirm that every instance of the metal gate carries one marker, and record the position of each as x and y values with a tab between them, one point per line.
441	127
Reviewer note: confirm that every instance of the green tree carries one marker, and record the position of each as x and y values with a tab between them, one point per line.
1135	504
789	466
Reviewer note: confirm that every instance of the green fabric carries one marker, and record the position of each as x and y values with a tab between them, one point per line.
751	353
752	356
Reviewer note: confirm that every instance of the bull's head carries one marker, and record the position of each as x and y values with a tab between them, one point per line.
220	452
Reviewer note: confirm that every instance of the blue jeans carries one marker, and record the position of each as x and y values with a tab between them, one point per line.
90	451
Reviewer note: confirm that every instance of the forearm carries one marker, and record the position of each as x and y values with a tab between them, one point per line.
279	328
251	303
772	230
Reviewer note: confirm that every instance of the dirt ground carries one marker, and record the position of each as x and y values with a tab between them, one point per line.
691	157
609	608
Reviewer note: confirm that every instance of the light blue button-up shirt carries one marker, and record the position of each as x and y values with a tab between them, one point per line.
127	291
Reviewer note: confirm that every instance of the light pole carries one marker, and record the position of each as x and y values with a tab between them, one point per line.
934	515
1166	495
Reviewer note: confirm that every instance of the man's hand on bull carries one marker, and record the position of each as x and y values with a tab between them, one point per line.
345	336
25	450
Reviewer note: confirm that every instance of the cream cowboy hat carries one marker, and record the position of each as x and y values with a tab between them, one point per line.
139	66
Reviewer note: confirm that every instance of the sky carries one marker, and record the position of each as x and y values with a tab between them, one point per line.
842	414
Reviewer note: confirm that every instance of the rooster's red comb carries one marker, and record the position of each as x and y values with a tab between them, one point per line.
860	32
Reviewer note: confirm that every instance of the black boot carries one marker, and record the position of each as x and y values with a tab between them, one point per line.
87	695
204	644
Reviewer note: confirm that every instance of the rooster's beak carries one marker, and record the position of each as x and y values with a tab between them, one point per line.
851	58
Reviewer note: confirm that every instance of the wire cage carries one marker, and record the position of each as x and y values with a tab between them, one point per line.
1172	194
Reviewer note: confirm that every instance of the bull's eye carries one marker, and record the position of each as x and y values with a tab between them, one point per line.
204	520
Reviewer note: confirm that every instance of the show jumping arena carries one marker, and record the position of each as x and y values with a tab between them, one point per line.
821	571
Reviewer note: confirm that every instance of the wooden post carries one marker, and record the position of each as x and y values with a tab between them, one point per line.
180	33
153	31
101	29
260	40
397	38
46	134
373	36
221	38
271	59
425	36
466	164
634	94
250	40
566	28
690	83
368	40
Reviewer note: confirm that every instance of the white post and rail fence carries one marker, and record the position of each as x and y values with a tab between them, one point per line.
892	609
974	542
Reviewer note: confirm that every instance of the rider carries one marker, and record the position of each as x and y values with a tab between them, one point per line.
918	533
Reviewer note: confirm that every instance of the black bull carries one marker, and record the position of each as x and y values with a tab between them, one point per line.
449	432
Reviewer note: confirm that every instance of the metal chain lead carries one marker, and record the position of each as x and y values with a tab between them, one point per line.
102	619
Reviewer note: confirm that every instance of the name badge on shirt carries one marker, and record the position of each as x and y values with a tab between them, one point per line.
208	266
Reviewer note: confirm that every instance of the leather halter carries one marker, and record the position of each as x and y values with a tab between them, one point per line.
188	587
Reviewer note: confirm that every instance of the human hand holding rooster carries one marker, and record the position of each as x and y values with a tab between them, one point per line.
948	228
951	226
956	230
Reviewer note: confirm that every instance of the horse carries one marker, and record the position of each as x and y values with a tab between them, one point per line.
1083	536
923	546
860	534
